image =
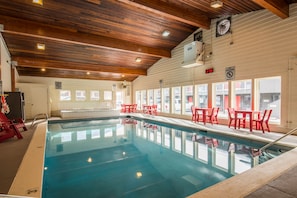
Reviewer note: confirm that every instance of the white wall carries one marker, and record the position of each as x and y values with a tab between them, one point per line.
76	84
5	66
263	45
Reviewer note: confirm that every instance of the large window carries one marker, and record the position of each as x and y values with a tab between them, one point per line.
65	95
176	97
221	96
202	95
150	93
80	95
188	99
268	96
138	99
242	94
157	98
166	100
119	99
143	97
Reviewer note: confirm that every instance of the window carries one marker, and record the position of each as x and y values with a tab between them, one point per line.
242	94
188	98
94	95
268	96
176	100
138	99
221	97
80	95
65	95
202	95
166	100
151	96
157	98
107	95
119	99
143	97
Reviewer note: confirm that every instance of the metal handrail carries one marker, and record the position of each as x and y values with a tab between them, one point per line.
275	141
38	115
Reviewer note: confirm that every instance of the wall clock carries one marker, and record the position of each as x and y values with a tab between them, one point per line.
223	27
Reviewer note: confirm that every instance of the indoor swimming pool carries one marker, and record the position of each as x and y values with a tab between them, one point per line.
125	157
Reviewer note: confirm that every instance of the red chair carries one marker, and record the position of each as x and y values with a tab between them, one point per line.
18	123
9	131
212	116
123	108
194	115
154	110
134	108
231	114
263	120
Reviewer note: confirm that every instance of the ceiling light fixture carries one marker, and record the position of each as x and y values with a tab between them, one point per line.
216	4
40	46
39	2
165	33
88	73
138	60
43	69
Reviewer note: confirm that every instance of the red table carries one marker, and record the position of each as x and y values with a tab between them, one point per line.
128	108
244	113
204	113
146	109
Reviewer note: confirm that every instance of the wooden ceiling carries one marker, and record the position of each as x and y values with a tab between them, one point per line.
101	39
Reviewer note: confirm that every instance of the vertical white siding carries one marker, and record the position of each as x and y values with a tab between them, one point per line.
262	46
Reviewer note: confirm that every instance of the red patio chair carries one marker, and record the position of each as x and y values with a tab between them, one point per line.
18	123
194	115
263	121
123	108
212	117
231	114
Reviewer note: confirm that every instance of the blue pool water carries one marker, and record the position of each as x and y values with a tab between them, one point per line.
135	158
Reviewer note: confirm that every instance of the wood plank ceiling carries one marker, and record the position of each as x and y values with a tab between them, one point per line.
101	39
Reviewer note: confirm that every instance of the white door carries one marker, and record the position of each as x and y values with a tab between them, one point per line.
36	99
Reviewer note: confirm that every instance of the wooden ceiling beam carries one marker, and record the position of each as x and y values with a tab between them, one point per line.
37	30
74	66
171	11
278	7
23	71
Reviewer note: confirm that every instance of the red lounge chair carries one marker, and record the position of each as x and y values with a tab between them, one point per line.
9	131
18	123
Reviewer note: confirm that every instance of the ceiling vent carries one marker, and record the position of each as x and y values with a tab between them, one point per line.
193	54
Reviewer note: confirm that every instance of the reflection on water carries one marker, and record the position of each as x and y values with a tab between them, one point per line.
130	158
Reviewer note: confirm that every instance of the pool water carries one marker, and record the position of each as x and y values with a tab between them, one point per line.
134	158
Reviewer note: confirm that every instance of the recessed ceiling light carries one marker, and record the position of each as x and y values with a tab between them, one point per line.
138	60
216	4
40	46
165	33
88	73
43	69
39	2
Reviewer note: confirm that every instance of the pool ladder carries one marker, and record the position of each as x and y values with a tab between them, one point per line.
275	141
38	116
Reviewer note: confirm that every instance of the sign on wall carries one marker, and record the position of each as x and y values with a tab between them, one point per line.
230	73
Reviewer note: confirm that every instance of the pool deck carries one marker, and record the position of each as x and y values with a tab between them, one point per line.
275	178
